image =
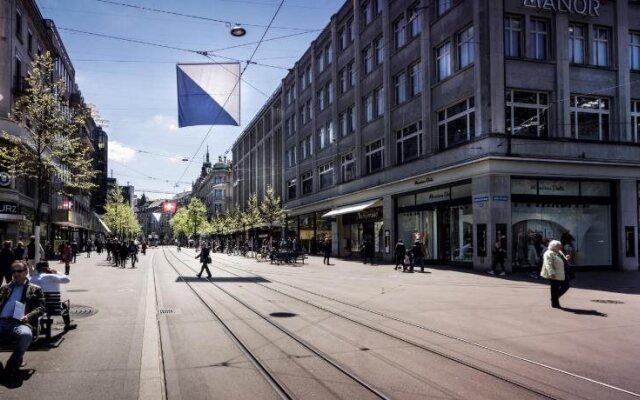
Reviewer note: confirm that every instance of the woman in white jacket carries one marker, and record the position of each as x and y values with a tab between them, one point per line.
553	270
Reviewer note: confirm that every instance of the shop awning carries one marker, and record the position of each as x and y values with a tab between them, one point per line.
12	217
352	208
67	224
106	228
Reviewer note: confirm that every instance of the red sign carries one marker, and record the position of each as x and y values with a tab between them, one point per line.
169	207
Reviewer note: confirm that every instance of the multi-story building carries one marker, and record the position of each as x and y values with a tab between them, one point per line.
463	123
213	186
27	35
100	141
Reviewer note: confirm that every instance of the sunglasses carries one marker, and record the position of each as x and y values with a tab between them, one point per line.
18	271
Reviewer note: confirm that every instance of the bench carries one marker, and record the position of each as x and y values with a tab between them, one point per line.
54	306
287	257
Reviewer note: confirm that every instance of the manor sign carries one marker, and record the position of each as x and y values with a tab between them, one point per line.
582	7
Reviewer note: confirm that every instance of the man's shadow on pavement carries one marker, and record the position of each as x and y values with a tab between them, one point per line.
15	380
584	312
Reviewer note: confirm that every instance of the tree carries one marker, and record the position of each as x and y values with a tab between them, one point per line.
197	217
179	223
119	215
271	209
49	148
253	216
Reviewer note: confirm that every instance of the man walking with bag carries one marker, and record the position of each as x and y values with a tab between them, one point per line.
205	259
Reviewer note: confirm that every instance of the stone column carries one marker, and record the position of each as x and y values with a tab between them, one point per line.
627	193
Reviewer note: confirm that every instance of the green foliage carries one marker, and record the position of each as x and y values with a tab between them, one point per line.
252	214
179	223
119	215
197	216
49	144
271	207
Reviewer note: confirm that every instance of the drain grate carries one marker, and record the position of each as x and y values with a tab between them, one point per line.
168	311
82	311
608	301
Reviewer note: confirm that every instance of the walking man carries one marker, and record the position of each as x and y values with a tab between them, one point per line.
205	259
499	255
67	256
74	250
553	270
400	253
326	249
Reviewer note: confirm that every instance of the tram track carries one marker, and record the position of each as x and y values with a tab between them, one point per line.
378	330
422	328
277	384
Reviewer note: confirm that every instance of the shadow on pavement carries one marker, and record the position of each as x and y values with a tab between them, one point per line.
16	379
248	279
584	312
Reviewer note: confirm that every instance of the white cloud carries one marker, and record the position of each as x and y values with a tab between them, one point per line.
120	153
165	122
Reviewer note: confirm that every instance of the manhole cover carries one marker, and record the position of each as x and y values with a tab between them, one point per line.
77	290
80	311
608	301
282	314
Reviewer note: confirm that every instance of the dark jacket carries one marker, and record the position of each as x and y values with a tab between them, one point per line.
19	252
32	297
204	255
416	250
6	259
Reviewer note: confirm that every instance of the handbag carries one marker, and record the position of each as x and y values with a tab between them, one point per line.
208	260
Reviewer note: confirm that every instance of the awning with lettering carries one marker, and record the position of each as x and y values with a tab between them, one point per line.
106	228
66	224
12	217
352	208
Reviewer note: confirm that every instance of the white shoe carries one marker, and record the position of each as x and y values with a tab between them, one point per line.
502	273
491	272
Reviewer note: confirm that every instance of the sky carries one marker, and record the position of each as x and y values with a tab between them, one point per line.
133	86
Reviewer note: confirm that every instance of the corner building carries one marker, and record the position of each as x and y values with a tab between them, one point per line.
462	123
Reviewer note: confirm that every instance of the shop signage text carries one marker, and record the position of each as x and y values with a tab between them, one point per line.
5	179
7	207
582	7
373	214
500	198
428	179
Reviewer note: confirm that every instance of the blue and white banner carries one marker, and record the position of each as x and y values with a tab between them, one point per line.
208	94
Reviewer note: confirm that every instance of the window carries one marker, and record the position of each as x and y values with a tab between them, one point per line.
320	97
306	147
346	122
443	60
443	6
367	13
600	47
415	79
400	87
329	93
352	74
325	175
538	39
512	36
326	135
342	39
379	6
526	113
590	117
399	32
367	59
465	47
218	193
291	157
328	55
351	33
409	143
352	119
634	51
374	156
291	94
348	167
307	182
378	45
415	21
18	74
379	97
309	111
19	25
342	80
635	120
456	124
320	62
291	189
217	209
576	44
368	108
29	42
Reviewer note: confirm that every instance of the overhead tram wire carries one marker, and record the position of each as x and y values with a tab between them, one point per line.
157	10
234	88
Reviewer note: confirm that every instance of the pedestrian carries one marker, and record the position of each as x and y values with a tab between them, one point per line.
499	255
417	251
367	249
123	254
109	248
7	257
31	254
89	244
133	253
553	269
67	257
400	253
74	250
326	248
19	251
205	259
144	247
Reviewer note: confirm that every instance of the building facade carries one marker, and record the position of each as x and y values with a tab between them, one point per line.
213	186
66	216
463	123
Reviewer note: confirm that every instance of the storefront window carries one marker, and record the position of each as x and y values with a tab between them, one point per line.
420	225
462	233
584	229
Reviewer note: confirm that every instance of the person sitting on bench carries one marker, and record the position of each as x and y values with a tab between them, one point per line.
21	304
49	280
